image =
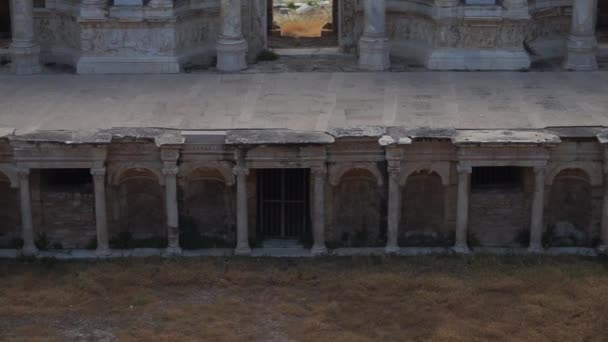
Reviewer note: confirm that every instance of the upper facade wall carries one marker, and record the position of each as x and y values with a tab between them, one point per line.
146	39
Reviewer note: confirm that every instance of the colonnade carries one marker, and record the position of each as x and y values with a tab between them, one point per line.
318	181
374	46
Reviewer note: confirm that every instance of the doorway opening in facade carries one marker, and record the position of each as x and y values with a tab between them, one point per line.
306	24
5	24
63	206
500	207
283	210
602	21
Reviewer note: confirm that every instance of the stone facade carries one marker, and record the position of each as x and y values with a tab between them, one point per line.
97	37
117	189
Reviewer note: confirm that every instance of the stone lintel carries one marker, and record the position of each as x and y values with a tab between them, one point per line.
423	133
602	137
504	137
277	137
358	132
169	138
65	137
583	132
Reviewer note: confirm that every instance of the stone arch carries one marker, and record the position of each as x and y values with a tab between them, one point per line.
358	207
141	206
221	171
207	205
570	212
338	171
440	169
9	213
422	211
593	172
124	172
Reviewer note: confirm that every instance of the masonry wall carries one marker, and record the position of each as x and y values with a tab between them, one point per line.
63	214
10	222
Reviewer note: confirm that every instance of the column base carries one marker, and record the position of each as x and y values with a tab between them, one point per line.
318	250
461	249
374	54
231	54
25	59
29	251
242	250
173	251
392	249
581	55
103	252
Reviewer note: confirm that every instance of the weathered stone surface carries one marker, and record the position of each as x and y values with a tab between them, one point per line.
277	137
504	137
358	132
65	137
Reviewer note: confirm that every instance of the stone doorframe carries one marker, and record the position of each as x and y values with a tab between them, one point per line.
345	17
29	154
284	157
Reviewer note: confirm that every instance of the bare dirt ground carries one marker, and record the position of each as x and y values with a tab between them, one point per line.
347	299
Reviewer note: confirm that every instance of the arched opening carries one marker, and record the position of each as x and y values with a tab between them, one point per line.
141	211
293	24
10	231
570	210
358	211
63	205
422	212
5	24
207	211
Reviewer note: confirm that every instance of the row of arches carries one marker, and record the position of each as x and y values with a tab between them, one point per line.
358	209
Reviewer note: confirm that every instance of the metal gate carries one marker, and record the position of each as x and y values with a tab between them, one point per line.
283	203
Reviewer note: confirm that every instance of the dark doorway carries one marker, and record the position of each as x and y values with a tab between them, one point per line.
5	23
283	203
602	21
302	24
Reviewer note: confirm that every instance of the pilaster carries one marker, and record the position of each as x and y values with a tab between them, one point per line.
99	184
29	247
242	226
538	200
462	211
319	176
394	199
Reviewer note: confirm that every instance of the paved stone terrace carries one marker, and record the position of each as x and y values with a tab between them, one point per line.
305	101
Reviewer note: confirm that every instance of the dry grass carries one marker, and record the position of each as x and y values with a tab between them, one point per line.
359	299
303	26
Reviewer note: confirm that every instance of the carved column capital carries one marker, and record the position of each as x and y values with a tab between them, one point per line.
464	169
23	173
240	170
98	172
170	170
319	171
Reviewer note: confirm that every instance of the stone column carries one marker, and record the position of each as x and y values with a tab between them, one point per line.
374	48
242	227
516	9
603	247
462	211
170	173
99	183
94	9
582	44
231	47
25	51
29	247
394	208
538	204
318	210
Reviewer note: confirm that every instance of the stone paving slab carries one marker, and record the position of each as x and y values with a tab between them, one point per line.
305	101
